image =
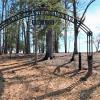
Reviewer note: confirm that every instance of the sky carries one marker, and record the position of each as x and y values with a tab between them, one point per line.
93	18
92	21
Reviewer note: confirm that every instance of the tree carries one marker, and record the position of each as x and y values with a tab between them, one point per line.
75	27
49	44
97	43
66	24
27	40
2	18
18	37
50	33
18	5
11	37
5	35
49	30
0	38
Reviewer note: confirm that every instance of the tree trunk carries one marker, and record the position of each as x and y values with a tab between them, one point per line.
2	39
75	28
42	48
18	38
75	31
49	45
5	30
5	45
0	44
56	43
24	37
27	46
65	37
11	48
17	43
75	42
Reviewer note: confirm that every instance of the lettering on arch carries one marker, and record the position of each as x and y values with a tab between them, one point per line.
39	12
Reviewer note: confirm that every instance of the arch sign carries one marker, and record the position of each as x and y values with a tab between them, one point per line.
44	11
43	22
38	12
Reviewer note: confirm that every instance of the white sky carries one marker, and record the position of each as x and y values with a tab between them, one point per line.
93	21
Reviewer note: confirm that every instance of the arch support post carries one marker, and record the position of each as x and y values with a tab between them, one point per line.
89	52
80	61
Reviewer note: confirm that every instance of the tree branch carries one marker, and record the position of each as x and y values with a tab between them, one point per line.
81	20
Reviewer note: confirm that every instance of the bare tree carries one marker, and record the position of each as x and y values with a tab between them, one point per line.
97	43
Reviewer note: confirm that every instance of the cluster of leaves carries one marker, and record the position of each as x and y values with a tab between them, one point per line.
14	30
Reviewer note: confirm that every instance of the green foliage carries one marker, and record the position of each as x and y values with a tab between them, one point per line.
11	35
21	45
14	29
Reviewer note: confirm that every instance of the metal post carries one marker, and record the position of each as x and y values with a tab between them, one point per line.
80	62
65	39
90	53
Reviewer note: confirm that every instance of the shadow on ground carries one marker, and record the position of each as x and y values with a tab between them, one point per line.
1	84
85	94
58	92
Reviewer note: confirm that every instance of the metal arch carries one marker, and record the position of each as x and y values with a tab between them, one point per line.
38	12
33	12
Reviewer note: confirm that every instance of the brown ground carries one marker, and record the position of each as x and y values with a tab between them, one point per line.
20	79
